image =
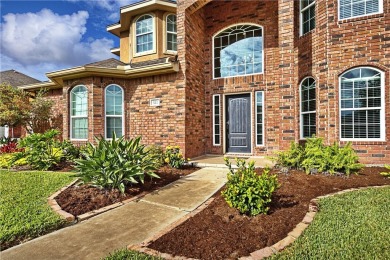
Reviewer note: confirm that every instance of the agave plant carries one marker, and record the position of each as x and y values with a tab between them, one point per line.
111	164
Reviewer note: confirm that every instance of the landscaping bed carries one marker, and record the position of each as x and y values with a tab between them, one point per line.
78	200
220	232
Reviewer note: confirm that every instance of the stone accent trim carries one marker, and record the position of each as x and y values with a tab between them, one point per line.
55	207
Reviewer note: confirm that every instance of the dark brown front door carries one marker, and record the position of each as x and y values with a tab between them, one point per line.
238	124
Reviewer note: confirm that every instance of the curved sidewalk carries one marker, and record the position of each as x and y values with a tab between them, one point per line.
129	224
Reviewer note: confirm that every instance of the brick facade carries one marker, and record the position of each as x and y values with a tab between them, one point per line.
185	114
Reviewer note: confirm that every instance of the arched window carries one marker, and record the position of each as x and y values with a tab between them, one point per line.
114	111
362	104
144	33
171	33
238	50
308	107
79	113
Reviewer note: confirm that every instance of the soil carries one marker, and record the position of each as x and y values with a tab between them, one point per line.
78	200
221	232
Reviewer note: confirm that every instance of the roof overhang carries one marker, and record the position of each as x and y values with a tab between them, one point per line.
129	11
40	85
116	51
126	72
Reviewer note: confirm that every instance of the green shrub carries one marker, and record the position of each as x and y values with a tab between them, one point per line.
42	150
314	157
248	192
11	160
173	157
291	158
70	151
114	163
386	174
158	152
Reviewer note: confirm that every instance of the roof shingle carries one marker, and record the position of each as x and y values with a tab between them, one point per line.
15	78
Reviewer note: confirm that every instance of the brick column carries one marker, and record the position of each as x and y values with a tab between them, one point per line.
288	82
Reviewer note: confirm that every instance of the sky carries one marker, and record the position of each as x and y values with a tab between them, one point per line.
37	37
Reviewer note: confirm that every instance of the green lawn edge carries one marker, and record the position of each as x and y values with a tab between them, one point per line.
24	210
354	225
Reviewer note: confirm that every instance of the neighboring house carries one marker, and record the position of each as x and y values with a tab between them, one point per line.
14	79
238	77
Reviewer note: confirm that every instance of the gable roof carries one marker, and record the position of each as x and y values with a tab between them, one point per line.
16	78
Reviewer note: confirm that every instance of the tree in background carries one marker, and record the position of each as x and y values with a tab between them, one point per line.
18	107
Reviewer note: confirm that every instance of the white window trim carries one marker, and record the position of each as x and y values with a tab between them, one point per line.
262	118
219	123
262	50
153	51
71	117
301	113
353	17
382	112
301	16
105	111
166	34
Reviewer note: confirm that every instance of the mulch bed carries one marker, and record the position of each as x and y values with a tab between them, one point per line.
220	232
78	200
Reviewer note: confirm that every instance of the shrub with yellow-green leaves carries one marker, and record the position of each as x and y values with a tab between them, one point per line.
173	157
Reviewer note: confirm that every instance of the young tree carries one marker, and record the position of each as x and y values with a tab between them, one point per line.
18	107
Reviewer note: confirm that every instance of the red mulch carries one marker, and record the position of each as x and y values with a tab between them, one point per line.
220	232
78	200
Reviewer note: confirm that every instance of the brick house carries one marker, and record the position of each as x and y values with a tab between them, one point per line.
240	77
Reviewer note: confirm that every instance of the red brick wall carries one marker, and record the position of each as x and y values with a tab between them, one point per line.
162	125
332	48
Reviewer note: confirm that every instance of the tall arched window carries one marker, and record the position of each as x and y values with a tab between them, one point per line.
114	111
308	107
144	33
79	113
238	50
362	104
171	33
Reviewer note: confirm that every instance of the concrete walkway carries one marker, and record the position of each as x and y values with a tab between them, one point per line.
130	224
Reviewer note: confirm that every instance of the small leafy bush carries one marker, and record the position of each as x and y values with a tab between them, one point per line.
11	147
173	157
158	152
292	158
315	157
386	174
42	151
8	160
248	192
111	164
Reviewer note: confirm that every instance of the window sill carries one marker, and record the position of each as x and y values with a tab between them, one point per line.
170	52
361	18
144	54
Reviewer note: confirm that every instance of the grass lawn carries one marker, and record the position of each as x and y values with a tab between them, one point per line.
125	254
24	212
354	225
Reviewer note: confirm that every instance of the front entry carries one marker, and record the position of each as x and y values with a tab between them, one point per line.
238	124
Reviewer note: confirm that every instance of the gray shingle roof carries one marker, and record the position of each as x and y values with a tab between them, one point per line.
15	78
148	63
109	63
